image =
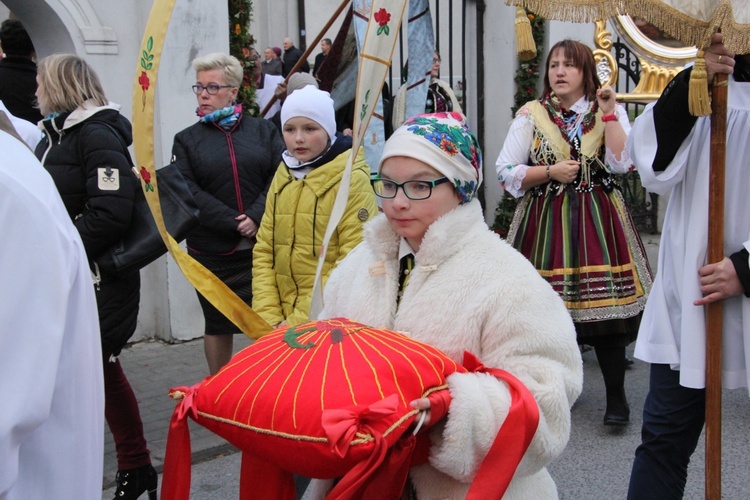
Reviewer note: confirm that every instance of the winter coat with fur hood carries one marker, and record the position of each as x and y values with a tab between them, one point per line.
470	291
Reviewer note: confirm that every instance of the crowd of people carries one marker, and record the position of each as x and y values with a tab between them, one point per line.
412	253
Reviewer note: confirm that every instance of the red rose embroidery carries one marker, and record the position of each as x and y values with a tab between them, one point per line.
382	17
146	176
145	83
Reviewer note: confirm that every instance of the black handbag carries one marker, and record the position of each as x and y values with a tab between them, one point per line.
142	244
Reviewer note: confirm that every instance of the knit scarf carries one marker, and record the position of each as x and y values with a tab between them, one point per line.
225	118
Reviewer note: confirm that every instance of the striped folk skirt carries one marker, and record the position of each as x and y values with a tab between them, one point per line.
585	245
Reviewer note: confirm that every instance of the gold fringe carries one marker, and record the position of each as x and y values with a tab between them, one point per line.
679	25
698	102
693	31
579	11
525	46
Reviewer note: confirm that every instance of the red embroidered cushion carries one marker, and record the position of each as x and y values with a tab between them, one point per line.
320	399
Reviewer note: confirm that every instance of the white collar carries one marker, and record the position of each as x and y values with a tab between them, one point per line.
580	106
404	249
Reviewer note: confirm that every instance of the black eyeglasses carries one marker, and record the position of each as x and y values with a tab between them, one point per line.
211	88
414	190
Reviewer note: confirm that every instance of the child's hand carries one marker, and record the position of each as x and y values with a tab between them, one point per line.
422	404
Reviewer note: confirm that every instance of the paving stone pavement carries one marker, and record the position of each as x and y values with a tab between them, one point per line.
154	367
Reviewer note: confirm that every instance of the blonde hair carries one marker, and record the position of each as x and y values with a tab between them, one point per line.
229	66
67	81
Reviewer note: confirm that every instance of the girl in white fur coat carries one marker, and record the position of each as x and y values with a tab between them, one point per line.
466	290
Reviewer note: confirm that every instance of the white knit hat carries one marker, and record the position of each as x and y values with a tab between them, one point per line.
311	103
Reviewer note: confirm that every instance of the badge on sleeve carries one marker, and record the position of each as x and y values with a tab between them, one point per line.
109	178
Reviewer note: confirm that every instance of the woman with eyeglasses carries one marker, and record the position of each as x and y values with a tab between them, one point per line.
430	267
84	151
228	160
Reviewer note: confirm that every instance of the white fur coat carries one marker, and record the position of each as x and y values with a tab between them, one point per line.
470	291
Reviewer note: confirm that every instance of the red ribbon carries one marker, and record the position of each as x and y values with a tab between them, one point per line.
341	424
175	484
512	440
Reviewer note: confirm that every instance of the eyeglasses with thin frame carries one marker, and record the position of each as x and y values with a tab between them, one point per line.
414	190
211	88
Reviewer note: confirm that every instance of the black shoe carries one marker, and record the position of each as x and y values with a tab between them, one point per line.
629	361
132	483
619	417
618	411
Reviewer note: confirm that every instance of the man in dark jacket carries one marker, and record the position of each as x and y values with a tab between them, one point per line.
325	47
18	71
291	55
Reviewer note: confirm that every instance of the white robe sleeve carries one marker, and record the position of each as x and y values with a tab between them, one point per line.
642	147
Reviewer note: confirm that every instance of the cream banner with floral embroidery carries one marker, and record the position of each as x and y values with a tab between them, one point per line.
211	287
374	61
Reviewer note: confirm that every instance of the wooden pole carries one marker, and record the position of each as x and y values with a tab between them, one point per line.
308	50
714	309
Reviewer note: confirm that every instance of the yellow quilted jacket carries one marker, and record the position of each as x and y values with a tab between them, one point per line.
291	232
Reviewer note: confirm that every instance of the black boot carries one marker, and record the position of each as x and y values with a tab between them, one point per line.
612	363
132	483
618	411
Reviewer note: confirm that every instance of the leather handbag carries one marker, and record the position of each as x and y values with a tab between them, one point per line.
142	243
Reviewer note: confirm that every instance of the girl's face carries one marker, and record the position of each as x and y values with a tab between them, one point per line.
411	219
565	79
224	96
305	139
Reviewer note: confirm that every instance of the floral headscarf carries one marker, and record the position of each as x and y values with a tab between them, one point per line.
444	142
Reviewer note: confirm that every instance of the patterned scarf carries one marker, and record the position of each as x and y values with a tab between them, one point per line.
572	125
225	118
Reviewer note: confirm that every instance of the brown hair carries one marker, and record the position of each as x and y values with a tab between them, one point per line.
67	81
583	59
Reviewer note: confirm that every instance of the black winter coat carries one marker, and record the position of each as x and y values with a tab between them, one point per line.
291	56
84	153
229	173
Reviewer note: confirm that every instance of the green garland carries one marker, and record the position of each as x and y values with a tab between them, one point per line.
240	42
527	74
527	77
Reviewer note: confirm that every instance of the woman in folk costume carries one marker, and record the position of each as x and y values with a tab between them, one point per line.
430	267
560	156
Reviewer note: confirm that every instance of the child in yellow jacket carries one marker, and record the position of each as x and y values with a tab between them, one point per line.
299	205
